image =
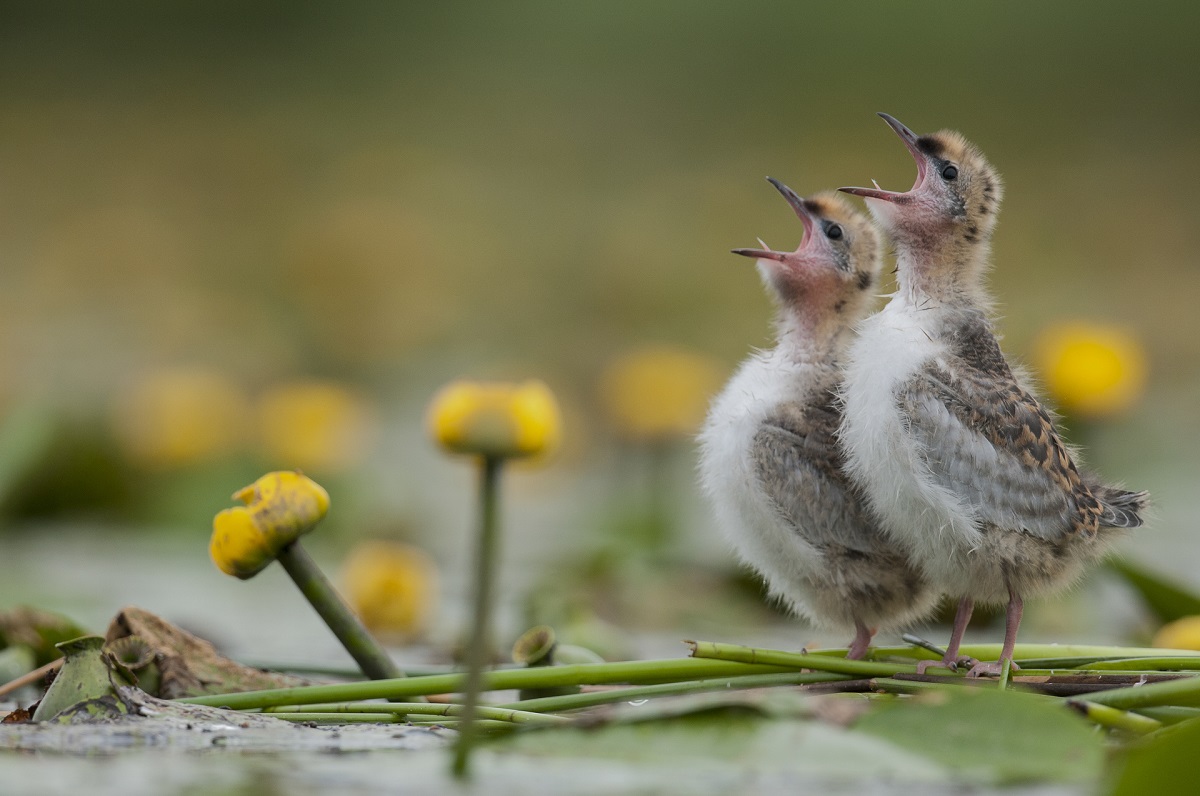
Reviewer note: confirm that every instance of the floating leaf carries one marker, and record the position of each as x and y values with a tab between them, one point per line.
763	733
1163	765
992	736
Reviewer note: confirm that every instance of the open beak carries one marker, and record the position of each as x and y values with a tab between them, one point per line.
802	213
910	140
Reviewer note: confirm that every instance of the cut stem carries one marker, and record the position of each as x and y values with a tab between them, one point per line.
29	678
795	660
1183	691
410	709
338	717
593	698
1114	718
624	672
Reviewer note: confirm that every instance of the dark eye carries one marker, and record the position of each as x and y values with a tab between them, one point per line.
950	172
833	232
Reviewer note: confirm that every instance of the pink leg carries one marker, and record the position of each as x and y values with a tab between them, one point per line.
1012	621
862	640
962	617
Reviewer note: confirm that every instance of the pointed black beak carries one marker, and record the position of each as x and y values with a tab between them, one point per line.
802	212
793	199
912	142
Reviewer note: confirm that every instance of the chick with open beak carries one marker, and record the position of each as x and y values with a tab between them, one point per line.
770	462
962	465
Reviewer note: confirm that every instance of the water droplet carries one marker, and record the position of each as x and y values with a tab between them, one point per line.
637	703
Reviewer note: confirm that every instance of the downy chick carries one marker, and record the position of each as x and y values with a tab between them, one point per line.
769	457
960	461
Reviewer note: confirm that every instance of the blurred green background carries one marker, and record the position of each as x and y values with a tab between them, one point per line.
217	215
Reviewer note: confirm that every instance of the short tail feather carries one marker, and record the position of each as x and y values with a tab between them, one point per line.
1122	509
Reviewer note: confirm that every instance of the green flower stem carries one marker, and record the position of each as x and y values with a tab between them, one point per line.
1115	718
1180	691
795	660
592	698
341	718
316	588
423	709
477	649
624	672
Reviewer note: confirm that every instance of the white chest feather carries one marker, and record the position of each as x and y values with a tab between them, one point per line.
761	384
748	518
881	455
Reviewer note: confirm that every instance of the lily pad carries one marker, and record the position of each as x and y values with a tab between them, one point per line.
992	736
1163	765
766	734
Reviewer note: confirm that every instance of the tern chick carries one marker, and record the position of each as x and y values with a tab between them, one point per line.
962	464
769	457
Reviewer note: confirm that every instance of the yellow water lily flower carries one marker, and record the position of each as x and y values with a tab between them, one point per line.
280	508
1182	634
393	587
319	426
180	416
1091	370
659	392
496	419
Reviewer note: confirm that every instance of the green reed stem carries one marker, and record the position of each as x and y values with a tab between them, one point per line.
338	717
1183	691
410	709
1114	718
1170	714
624	672
592	698
735	652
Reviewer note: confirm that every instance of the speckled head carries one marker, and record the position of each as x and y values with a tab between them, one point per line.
832	271
954	200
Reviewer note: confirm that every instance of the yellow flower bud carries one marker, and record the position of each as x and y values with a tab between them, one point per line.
495	419
1091	370
178	417
659	393
280	508
1182	634
318	426
392	587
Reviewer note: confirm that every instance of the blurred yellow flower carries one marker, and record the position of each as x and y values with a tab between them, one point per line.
1182	634
180	416
1091	370
500	419
314	425
280	508
393	588
659	392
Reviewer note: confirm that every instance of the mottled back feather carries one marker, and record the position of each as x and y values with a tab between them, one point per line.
799	466
989	440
